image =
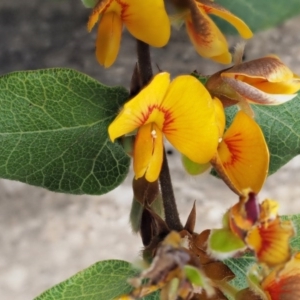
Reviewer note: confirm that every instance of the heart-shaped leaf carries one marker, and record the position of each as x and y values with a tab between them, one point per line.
53	131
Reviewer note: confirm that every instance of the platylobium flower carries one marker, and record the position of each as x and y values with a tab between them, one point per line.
261	229
181	110
146	20
265	81
255	226
206	37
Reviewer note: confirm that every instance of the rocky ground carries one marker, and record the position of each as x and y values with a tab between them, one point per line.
46	237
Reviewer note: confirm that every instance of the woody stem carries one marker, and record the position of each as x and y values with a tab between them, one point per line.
169	203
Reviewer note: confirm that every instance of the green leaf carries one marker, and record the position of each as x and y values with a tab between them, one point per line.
103	280
53	131
281	127
258	14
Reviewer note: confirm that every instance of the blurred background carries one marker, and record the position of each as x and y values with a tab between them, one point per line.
46	237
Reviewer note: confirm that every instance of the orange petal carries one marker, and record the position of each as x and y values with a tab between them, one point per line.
108	39
213	8
256	96
286	87
137	111
243	155
147	20
270	241
206	37
148	152
190	123
283	283
94	16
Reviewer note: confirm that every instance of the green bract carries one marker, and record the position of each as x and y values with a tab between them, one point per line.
89	3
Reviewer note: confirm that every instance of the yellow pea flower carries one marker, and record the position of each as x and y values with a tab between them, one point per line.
181	110
206	37
146	20
264	81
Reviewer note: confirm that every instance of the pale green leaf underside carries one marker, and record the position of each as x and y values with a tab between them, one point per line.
53	131
295	241
103	280
281	127
259	14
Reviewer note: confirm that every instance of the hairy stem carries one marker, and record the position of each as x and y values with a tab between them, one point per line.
170	207
169	203
144	62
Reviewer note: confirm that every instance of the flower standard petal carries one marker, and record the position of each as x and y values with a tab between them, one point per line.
270	241
213	8
243	156
206	37
147	21
220	115
190	123
108	39
137	111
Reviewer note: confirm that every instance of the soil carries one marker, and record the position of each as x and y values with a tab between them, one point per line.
46	237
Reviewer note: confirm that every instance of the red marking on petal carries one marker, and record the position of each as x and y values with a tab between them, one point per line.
124	7
167	115
235	152
207	9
